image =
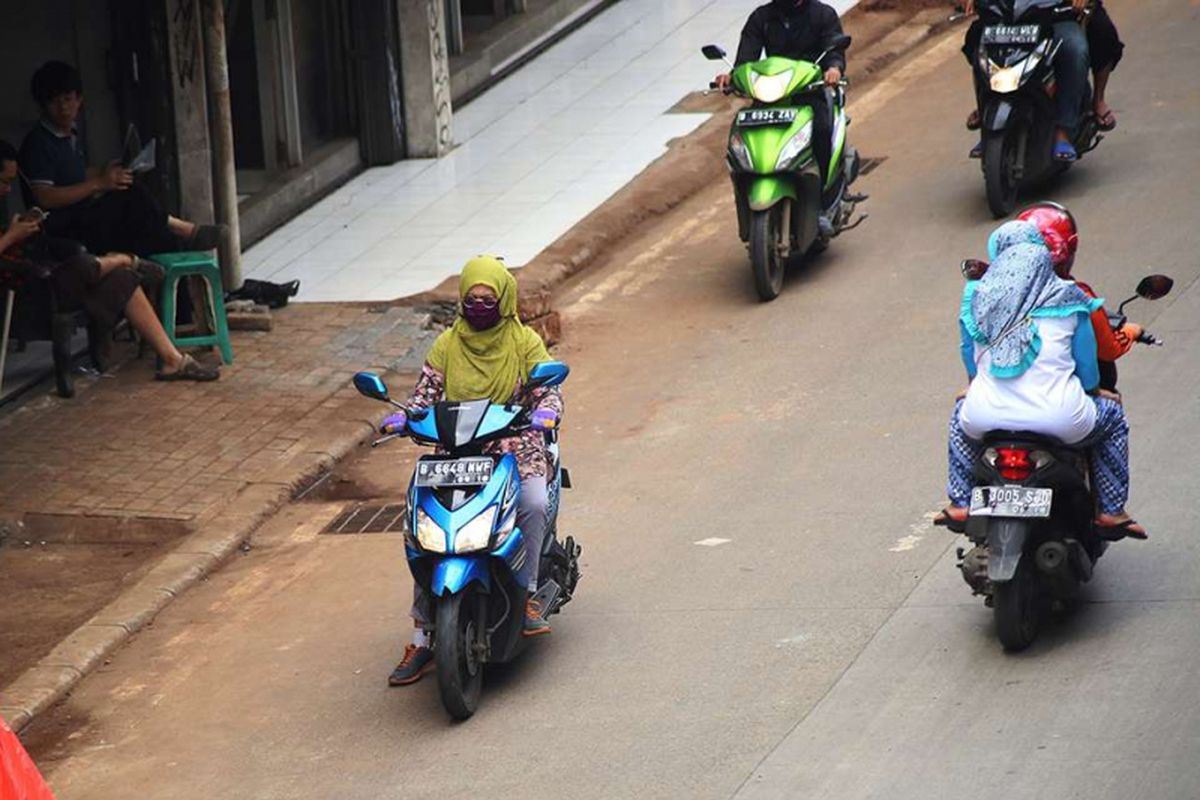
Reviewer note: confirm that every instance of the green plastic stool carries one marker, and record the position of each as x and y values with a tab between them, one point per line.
202	264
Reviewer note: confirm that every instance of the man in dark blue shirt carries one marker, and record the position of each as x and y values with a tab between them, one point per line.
103	209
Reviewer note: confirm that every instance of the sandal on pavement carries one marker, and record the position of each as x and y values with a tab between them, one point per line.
1116	531
953	518
1065	152
189	370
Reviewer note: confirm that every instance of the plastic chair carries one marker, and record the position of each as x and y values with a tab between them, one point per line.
201	264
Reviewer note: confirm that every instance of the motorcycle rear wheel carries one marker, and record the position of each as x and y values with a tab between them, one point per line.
999	151
766	258
459	671
1017	607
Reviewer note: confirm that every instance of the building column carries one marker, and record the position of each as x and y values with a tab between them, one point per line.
425	69
186	51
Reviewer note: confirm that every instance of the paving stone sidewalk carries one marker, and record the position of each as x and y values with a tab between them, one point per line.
129	446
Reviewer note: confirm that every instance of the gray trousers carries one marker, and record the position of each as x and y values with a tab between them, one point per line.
531	519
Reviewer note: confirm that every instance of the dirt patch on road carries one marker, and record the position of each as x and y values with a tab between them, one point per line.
51	588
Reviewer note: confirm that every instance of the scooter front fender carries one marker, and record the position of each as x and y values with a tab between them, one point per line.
453	575
766	191
1006	540
997	116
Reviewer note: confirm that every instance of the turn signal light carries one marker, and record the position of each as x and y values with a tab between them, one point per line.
1013	463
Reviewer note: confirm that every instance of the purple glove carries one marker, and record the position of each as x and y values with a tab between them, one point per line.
395	423
545	419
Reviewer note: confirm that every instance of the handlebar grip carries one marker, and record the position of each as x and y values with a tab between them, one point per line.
1148	338
713	85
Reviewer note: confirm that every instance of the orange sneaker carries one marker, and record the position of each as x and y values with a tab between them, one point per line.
415	663
534	624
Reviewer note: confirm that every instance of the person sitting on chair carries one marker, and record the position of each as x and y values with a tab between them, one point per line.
105	286
103	209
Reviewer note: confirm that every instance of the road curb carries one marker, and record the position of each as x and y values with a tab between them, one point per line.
197	556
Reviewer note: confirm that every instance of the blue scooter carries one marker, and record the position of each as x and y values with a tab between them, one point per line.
463	545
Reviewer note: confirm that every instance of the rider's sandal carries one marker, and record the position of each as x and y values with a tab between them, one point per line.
1129	529
1106	121
974	123
953	518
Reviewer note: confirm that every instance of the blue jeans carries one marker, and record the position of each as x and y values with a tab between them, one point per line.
1108	444
1071	69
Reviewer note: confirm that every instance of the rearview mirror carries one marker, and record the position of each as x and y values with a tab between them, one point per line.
973	269
712	52
548	373
371	385
839	42
1155	287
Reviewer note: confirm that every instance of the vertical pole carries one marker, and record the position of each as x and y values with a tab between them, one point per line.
8	307
216	67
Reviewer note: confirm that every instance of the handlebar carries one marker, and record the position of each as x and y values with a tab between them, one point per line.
1149	339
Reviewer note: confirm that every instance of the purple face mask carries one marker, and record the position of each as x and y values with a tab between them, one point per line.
481	317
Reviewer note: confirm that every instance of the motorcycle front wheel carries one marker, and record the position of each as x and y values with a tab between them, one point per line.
766	250
999	169
459	667
1017	606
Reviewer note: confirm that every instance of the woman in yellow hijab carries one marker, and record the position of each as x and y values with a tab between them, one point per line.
487	354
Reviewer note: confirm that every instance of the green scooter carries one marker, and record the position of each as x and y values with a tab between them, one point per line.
776	180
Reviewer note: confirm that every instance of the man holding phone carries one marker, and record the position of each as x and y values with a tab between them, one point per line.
107	286
101	208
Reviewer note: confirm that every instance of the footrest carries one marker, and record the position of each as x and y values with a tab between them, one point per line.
547	597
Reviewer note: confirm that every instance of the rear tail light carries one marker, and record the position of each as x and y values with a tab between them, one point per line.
1013	463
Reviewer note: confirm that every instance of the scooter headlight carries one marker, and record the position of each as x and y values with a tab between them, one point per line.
430	535
770	88
1008	79
477	533
739	153
794	148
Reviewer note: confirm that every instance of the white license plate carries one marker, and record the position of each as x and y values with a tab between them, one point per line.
1011	501
1012	34
753	117
434	473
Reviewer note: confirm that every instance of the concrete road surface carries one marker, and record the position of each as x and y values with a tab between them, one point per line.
820	643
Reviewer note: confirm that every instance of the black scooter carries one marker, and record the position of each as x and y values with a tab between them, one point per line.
1014	70
1031	519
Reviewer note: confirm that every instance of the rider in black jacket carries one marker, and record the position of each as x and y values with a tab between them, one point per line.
797	29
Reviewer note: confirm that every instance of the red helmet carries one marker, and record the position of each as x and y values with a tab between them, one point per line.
1058	228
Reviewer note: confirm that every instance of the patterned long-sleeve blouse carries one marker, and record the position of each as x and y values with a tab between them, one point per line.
528	447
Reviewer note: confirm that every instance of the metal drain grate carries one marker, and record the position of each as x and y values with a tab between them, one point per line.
359	518
868	165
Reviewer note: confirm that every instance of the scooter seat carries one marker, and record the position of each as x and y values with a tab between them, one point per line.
1025	437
